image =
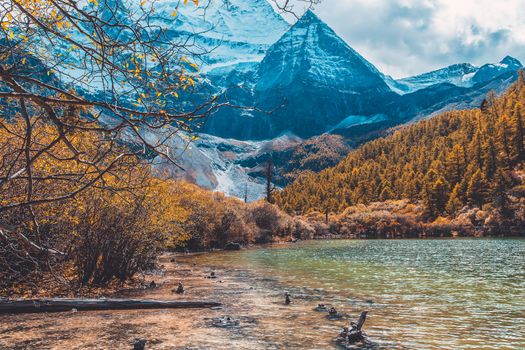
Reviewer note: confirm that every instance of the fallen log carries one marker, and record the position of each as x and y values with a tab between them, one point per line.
60	305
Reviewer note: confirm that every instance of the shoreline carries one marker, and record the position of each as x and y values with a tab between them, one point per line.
256	301
252	294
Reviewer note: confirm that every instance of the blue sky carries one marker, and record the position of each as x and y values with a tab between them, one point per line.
406	37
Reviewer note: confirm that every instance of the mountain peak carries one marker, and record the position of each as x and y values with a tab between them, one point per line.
511	61
309	16
310	48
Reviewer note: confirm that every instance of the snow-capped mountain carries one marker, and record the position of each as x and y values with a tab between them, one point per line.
310	80
490	71
457	74
310	49
222	32
462	75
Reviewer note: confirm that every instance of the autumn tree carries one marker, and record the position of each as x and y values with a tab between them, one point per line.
477	189
455	202
435	194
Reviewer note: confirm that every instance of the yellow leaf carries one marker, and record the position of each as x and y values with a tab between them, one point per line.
174	14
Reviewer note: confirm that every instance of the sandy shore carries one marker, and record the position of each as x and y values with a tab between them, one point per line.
256	301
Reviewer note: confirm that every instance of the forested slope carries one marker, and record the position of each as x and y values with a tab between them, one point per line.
461	158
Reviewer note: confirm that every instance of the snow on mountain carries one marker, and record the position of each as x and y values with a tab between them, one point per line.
221	164
457	74
356	120
461	75
321	79
491	71
227	31
311	49
215	34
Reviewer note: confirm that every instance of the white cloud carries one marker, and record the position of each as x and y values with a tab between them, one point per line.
405	37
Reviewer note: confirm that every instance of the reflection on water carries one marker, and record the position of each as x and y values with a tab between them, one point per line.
424	294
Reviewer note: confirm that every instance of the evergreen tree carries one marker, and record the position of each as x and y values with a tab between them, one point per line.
386	194
518	134
454	203
435	194
477	189
498	192
455	164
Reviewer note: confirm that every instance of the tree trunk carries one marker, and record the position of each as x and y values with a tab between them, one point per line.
59	305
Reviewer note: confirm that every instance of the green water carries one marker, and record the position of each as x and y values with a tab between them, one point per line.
427	294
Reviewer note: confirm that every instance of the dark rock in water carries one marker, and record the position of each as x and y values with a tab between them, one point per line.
337	316
212	275
333	314
225	322
321	307
232	246
152	284
370	301
287	299
180	288
139	344
172	260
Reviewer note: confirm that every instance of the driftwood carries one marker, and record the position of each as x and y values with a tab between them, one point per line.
59	305
354	333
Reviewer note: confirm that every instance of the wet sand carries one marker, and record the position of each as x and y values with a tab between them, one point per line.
257	301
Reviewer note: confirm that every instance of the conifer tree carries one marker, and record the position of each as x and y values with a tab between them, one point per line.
454	202
477	189
455	164
435	194
519	133
498	192
386	193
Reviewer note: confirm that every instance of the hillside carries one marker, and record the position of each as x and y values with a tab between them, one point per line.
463	158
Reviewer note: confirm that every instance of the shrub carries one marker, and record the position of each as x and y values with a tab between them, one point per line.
113	241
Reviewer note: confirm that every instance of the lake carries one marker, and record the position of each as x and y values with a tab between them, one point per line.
421	294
